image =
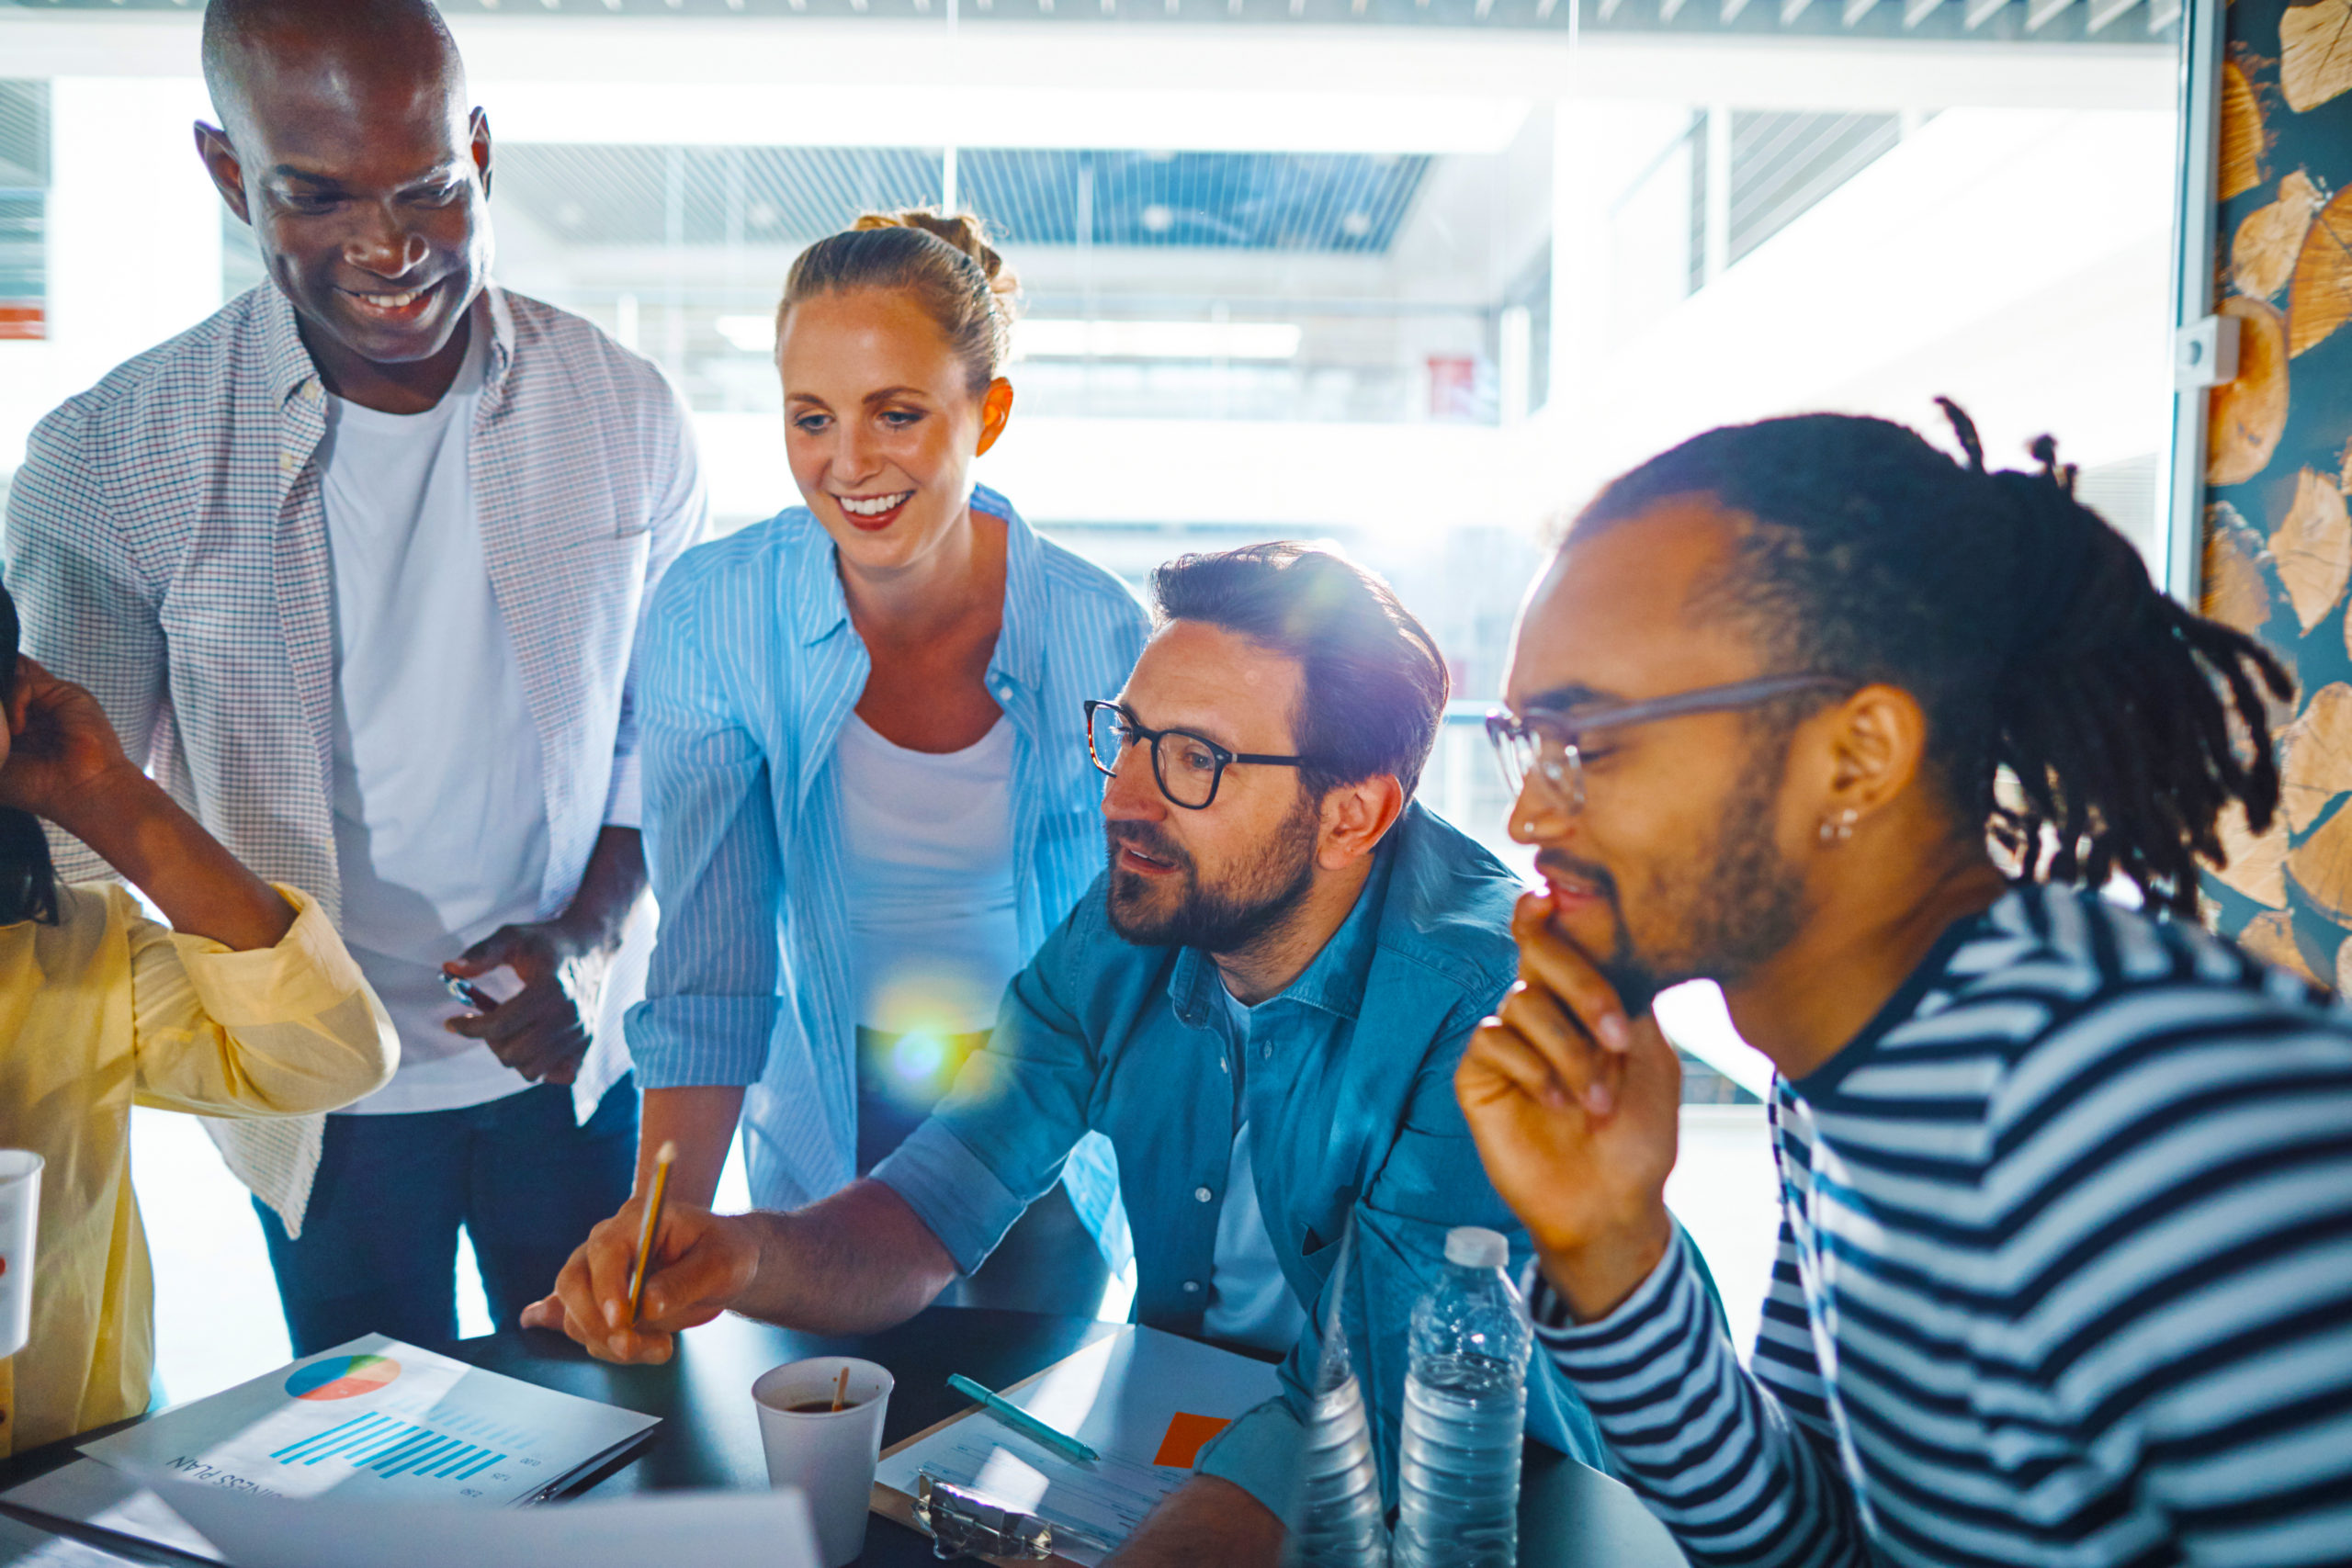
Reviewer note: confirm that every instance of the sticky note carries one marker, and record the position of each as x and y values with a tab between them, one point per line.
1187	1435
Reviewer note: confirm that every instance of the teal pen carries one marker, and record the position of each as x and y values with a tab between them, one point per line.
1019	1420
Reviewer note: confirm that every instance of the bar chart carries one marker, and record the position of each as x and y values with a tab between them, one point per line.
390	1446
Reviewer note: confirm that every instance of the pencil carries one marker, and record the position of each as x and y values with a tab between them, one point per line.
663	1159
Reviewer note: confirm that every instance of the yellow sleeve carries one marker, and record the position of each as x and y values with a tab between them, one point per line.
284	1031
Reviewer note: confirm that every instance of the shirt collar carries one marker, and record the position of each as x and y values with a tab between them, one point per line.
292	368
1020	643
1821	1083
1020	646
1333	982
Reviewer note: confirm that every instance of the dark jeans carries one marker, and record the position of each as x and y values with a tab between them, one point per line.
379	1248
1047	1262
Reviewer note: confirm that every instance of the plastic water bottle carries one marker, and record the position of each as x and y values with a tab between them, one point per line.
1465	1407
1340	1523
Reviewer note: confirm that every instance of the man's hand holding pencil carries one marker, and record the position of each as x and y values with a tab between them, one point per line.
855	1262
701	1263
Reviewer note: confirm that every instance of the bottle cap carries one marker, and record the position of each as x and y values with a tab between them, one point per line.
1475	1247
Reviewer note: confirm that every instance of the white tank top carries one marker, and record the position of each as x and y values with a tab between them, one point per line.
927	857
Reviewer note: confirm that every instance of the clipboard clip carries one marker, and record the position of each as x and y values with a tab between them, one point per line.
965	1523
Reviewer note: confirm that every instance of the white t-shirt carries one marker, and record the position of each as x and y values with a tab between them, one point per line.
927	861
1250	1301
440	811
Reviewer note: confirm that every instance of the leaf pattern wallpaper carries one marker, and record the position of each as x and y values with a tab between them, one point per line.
2278	533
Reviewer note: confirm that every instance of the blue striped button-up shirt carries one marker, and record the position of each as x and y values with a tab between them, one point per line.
751	667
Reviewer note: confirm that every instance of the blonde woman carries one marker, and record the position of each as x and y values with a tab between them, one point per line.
868	791
244	1005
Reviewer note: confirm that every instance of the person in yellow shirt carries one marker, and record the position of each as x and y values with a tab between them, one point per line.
244	1005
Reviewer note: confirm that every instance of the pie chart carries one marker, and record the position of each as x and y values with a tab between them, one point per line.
342	1377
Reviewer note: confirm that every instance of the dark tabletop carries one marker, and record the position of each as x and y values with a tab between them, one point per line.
1569	1516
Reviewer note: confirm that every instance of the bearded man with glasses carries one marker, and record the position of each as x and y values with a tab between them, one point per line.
1261	1004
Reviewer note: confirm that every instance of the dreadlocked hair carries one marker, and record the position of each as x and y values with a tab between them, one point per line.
2025	626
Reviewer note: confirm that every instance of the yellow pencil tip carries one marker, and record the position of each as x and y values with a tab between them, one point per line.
667	1152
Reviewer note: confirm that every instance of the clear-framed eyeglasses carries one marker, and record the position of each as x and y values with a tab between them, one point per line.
1549	743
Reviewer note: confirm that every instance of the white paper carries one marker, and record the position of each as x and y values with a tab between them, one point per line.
88	1493
1118	1396
25	1546
22	1546
707	1530
375	1418
1093	1508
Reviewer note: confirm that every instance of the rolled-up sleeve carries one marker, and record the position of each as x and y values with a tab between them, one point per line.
712	856
284	1031
1264	1453
997	1142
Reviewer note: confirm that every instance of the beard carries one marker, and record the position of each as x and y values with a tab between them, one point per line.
1225	916
1738	910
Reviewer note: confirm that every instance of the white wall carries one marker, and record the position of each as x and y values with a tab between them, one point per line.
134	239
2015	260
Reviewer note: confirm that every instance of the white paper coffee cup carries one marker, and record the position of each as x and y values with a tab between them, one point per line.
20	1220
829	1455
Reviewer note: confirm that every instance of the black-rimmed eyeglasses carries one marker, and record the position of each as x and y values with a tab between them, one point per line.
1549	743
1188	767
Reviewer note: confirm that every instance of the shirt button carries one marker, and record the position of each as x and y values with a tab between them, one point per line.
1192	1287
1202	1194
1267	1051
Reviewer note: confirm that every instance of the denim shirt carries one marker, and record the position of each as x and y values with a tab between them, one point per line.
750	668
1352	1113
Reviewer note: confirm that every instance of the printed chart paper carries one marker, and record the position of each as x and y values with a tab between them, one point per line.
378	1419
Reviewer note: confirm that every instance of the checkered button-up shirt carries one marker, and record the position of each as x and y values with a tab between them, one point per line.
166	545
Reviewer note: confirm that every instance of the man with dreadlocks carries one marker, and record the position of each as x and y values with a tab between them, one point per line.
1862	733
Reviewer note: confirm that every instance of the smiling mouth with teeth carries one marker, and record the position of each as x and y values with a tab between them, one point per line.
388	304
874	505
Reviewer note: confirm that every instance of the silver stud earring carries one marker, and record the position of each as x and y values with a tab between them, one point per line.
1840	829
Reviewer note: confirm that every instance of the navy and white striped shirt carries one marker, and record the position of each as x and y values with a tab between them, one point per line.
2065	1278
750	668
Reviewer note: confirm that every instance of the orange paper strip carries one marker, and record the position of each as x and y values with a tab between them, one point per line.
1187	1435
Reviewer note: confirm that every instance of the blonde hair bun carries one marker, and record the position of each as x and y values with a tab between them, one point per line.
965	230
942	260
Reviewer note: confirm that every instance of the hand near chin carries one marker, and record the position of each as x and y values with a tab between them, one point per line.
1575	1108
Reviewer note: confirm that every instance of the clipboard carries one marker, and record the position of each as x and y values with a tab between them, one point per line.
1149	1400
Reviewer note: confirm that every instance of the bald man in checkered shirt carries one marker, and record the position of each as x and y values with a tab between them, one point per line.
356	567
